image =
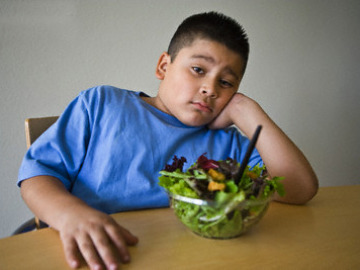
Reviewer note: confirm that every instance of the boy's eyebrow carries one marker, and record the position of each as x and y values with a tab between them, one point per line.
212	60
206	58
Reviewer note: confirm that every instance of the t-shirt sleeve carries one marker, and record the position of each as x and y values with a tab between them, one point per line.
60	150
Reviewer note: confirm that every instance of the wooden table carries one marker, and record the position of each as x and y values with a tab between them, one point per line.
324	234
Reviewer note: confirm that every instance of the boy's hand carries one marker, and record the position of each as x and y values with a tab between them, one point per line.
86	233
225	118
95	237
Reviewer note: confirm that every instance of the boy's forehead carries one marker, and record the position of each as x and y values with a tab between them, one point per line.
202	46
205	42
204	49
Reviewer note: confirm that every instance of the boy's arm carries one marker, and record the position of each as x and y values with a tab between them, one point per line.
84	231
280	155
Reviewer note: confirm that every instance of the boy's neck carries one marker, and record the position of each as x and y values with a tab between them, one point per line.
150	100
156	103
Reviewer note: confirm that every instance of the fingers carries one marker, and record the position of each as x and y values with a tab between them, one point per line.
127	236
72	255
101	250
102	247
121	238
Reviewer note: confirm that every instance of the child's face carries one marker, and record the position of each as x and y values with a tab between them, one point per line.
199	83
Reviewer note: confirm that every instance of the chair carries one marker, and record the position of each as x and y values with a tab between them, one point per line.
34	127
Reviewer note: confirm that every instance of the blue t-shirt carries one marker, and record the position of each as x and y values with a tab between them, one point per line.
109	145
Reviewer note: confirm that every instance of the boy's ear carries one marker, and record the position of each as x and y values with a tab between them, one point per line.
162	65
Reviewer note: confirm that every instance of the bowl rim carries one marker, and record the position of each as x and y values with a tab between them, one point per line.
212	203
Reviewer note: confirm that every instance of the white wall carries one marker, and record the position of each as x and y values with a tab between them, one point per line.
304	70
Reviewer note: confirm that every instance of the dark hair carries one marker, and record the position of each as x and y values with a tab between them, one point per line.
212	26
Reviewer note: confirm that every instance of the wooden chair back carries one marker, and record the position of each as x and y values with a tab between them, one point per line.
34	127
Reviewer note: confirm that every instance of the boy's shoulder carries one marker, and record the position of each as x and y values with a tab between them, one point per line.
107	93
106	90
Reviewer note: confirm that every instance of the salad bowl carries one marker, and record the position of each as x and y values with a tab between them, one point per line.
209	200
218	220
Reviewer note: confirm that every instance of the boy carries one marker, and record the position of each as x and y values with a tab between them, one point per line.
104	153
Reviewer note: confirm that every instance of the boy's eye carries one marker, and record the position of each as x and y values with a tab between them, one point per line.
226	83
198	70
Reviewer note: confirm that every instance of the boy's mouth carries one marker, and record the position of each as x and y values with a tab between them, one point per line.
202	106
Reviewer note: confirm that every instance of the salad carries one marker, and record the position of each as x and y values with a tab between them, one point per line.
211	200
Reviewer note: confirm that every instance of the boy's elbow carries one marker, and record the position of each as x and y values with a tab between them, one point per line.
313	189
300	194
309	192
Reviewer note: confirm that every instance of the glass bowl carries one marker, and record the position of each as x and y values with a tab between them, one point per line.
218	220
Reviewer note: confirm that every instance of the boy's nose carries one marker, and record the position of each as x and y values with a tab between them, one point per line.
208	90
209	93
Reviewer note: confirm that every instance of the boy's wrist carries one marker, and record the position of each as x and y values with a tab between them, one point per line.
74	213
246	113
